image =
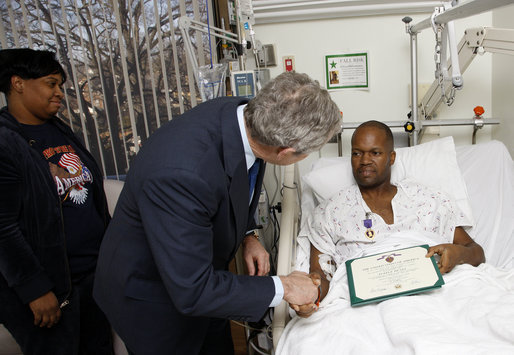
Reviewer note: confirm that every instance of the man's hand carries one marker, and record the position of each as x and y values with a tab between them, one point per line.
306	310
46	310
300	289
255	254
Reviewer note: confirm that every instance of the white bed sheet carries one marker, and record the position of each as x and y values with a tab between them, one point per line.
472	313
488	170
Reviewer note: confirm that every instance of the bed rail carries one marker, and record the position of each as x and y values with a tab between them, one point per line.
286	247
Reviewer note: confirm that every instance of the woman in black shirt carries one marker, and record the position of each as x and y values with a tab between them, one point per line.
53	214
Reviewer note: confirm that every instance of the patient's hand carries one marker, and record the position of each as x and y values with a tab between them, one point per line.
464	250
451	256
304	311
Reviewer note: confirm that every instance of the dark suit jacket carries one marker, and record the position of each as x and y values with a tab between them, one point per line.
180	218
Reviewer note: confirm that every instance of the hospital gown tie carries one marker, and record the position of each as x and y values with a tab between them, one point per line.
252	176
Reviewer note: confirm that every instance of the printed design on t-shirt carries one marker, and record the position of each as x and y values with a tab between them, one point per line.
70	177
51	151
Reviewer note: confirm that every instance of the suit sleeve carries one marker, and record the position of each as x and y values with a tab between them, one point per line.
18	264
177	209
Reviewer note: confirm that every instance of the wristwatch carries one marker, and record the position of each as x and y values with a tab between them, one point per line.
252	233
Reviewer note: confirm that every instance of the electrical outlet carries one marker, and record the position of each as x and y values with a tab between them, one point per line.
266	56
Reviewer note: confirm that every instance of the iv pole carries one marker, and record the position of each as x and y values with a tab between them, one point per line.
185	24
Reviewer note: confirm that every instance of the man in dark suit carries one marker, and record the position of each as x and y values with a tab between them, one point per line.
188	204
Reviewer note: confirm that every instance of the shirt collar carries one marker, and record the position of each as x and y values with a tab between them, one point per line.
249	156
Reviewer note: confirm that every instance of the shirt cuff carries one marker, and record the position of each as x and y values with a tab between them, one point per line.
279	292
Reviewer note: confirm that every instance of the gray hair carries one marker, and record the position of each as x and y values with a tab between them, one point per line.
293	111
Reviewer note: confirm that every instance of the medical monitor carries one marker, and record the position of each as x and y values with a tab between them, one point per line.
243	83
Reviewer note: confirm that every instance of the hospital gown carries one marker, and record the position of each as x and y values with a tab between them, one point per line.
336	227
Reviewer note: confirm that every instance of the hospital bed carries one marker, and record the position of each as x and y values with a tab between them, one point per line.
479	177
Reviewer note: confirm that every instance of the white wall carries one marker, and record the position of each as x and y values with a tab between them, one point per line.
385	39
503	84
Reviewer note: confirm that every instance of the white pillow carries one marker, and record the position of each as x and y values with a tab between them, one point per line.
432	164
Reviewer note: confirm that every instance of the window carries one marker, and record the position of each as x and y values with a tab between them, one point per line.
127	69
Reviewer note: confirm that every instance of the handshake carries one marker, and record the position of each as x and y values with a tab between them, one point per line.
301	291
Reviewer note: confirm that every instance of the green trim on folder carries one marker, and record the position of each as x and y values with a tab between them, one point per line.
356	301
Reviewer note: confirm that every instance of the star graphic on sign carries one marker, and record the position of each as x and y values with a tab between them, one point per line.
332	65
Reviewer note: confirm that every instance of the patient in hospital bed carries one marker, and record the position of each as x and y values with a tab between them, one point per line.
472	312
369	217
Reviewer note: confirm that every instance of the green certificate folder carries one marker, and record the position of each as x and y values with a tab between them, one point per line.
401	272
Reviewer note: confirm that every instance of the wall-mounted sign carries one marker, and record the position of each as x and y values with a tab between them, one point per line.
346	71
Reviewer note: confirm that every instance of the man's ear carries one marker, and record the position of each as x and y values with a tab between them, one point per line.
17	84
392	157
284	152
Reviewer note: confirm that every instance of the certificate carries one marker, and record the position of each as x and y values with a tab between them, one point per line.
375	278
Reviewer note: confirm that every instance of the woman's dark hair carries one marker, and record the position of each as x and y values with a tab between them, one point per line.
27	64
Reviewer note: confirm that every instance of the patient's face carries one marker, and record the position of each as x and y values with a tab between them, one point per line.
371	157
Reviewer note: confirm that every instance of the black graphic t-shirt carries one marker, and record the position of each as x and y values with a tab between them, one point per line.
82	223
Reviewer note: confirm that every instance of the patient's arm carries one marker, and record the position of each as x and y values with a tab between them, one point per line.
316	268
463	251
315	273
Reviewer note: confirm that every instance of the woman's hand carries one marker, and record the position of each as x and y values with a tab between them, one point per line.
46	310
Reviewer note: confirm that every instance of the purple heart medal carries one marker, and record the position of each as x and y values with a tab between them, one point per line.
368	223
